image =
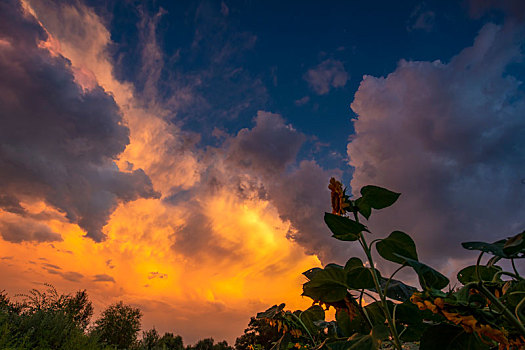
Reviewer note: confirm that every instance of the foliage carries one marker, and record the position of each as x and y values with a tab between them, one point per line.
258	332
49	320
151	340
209	344
46	320
118	326
486	312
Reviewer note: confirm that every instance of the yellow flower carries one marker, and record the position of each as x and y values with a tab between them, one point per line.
453	317
439	303
337	197
421	306
430	306
494	334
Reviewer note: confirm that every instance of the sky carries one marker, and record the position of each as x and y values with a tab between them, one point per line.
176	155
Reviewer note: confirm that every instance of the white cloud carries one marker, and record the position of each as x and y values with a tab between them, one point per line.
450	138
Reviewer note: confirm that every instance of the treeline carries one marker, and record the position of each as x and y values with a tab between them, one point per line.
49	320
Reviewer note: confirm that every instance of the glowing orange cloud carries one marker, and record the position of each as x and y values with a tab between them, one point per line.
245	264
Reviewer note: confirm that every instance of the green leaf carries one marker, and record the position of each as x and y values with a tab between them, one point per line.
514	294
311	273
380	332
359	278
344	228
448	337
353	263
428	277
282	343
271	312
412	318
310	316
364	208
347	326
355	342
511	248
397	242
378	197
515	245
468	274
397	290
324	291
327	285
375	311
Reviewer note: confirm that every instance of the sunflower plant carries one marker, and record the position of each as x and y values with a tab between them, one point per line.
486	312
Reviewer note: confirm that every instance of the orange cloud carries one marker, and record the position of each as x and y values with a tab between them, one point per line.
237	261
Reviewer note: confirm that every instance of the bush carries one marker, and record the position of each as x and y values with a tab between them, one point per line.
46	320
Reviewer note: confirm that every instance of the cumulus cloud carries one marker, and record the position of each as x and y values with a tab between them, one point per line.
449	137
269	146
268	152
59	141
327	75
229	219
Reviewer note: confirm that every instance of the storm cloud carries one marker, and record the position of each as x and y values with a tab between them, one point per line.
450	138
58	140
298	190
16	229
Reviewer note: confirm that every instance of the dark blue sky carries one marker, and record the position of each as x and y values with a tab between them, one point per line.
244	56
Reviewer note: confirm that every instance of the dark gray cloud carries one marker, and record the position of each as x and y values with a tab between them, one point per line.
259	163
72	276
327	75
197	239
268	152
52	266
268	147
58	142
103	278
450	138
67	275
17	229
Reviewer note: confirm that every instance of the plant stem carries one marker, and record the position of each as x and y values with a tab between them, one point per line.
514	268
306	329
499	273
386	311
478	274
392	276
519	307
512	319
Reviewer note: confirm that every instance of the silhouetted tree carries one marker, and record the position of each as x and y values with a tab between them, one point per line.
118	326
171	342
208	344
150	340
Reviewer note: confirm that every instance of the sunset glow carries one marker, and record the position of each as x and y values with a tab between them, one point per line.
150	155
